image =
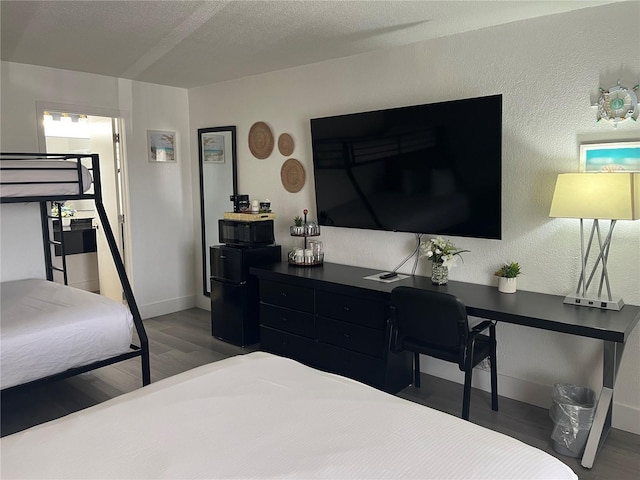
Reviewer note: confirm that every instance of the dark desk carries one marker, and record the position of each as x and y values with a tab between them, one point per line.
537	310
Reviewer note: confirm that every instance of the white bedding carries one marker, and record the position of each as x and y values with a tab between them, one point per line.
48	328
57	170
262	416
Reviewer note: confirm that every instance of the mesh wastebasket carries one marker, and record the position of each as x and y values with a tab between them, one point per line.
572	414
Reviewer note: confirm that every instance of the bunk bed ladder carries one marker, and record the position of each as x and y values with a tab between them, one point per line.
122	273
45	216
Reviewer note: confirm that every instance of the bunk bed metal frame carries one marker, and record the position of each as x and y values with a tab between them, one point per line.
45	201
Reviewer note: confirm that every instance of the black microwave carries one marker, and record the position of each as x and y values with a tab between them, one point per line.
234	232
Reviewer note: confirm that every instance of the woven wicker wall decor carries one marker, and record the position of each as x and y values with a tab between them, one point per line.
260	140
292	175
285	144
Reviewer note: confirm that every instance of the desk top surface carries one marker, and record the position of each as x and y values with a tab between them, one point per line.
538	310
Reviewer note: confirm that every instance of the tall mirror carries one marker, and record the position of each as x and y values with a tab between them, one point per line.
218	181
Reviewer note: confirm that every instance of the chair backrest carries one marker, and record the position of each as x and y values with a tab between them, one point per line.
436	318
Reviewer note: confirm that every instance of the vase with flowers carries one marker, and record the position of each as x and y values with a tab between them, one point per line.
65	212
443	255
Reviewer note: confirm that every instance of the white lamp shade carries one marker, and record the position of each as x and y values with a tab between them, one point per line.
612	196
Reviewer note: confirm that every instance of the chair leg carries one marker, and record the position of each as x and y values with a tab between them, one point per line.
466	398
494	370
416	370
468	373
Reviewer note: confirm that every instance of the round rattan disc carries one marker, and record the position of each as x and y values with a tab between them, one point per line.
292	175
285	144
260	140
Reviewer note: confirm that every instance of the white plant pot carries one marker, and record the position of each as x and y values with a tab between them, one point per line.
507	285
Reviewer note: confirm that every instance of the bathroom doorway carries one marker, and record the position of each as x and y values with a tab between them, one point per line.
80	132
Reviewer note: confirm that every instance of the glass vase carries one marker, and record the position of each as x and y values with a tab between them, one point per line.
439	274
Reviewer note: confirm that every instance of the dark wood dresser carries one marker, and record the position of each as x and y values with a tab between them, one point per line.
316	316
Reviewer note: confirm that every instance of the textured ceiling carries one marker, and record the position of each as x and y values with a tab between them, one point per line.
193	43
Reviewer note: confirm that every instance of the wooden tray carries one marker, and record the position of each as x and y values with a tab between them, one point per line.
249	217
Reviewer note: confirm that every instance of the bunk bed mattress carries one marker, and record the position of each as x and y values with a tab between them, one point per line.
48	328
29	173
263	416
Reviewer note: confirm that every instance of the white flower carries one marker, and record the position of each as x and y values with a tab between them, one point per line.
442	251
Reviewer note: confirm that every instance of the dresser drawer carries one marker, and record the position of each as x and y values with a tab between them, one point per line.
348	335
289	345
288	320
369	313
366	369
290	296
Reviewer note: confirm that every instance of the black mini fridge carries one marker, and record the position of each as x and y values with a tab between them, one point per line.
234	293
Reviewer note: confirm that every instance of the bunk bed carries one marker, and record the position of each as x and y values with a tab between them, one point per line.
51	330
263	416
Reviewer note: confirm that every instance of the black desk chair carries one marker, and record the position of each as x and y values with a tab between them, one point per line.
436	324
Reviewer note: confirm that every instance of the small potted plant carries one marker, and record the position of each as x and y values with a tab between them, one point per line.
298	227
508	273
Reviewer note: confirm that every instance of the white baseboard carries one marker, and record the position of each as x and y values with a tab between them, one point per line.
625	417
167	306
88	285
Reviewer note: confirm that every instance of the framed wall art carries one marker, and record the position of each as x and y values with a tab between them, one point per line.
161	146
610	157
215	146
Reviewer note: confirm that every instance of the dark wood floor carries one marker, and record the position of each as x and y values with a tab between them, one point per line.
182	341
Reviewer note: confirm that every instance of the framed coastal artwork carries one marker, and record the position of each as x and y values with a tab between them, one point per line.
610	157
215	145
161	146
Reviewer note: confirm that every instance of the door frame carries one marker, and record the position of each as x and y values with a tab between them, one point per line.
118	117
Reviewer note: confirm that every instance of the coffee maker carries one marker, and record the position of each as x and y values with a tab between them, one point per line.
241	203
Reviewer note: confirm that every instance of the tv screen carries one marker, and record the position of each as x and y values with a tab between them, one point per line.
434	168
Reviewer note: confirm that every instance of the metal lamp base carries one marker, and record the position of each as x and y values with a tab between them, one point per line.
615	303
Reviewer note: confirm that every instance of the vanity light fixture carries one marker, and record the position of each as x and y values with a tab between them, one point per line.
597	196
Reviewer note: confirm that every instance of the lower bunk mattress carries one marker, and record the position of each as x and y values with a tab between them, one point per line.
48	328
261	416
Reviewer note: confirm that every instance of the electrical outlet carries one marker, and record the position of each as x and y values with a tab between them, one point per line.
485	364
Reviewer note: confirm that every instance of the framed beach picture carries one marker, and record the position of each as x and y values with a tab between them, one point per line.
214	146
161	146
610	157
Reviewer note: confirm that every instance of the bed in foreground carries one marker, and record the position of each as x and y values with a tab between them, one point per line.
263	416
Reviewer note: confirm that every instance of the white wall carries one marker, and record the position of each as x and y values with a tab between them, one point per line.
548	71
160	203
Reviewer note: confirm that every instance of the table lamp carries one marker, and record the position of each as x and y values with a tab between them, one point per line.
597	196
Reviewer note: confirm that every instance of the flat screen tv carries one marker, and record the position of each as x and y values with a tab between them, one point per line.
433	169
